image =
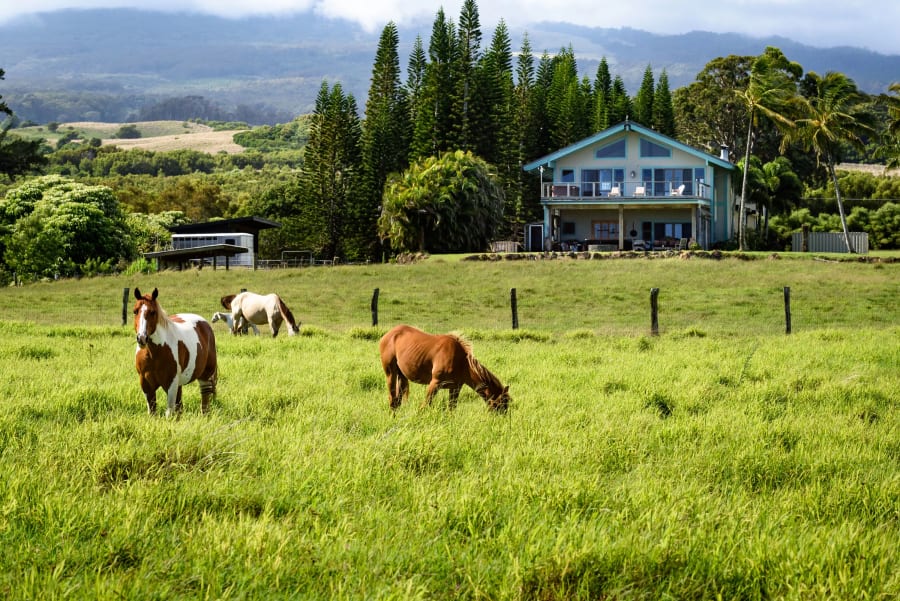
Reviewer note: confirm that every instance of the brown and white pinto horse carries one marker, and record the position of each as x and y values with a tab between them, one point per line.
252	308
440	361
173	351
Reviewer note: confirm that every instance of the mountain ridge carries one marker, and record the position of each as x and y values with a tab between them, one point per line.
105	64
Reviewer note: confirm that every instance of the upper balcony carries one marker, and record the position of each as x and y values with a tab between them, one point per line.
631	191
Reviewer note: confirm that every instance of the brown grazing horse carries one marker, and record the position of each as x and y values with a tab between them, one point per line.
440	361
173	351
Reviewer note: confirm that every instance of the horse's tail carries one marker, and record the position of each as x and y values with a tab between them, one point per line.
226	301
287	315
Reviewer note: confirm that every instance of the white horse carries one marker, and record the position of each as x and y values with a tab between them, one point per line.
226	317
260	309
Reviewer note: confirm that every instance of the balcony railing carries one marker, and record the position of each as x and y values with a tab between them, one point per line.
601	191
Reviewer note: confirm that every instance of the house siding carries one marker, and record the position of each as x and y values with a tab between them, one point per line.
572	206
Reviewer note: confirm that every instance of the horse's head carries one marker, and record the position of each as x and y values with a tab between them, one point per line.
495	395
146	316
499	402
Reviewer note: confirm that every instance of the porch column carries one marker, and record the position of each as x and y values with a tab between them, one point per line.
621	227
695	219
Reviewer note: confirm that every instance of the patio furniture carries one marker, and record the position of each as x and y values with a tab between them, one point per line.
640	191
677	191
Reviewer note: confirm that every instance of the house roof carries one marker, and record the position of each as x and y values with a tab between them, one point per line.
626	125
250	225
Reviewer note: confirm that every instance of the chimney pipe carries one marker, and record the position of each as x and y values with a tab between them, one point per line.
723	152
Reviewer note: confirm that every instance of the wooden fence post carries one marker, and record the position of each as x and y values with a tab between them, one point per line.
125	306
654	312
787	309
375	308
514	305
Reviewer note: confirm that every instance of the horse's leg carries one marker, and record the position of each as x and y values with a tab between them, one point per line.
432	390
150	396
403	393
173	396
393	384
454	396
275	322
207	394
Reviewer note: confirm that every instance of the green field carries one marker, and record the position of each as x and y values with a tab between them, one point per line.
720	459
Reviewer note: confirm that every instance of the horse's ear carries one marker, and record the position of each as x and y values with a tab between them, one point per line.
137	293
155	294
505	389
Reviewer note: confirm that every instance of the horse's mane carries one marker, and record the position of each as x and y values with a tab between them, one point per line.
484	373
463	341
226	300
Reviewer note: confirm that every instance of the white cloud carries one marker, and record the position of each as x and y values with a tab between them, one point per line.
822	23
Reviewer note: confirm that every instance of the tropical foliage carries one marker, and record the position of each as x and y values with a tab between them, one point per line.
450	203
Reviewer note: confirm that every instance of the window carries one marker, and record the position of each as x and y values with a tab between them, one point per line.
668	234
590	178
568	176
652	150
662	181
568	228
605	230
615	150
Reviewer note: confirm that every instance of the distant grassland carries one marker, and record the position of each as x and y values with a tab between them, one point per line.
155	135
720	459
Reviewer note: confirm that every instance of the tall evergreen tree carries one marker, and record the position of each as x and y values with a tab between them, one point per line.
415	79
602	92
434	129
497	143
567	104
541	94
663	110
495	92
331	164
643	100
619	102
469	94
527	131
384	143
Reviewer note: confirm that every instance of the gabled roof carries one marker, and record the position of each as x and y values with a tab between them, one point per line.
617	129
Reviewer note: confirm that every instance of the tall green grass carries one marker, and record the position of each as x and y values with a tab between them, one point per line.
717	460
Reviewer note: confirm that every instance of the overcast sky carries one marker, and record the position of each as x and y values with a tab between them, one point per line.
823	23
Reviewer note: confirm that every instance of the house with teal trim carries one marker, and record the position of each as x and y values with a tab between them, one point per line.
630	186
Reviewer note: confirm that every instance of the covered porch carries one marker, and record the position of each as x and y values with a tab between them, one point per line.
612	226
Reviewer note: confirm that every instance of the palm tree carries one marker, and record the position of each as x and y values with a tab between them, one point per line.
891	148
769	93
834	116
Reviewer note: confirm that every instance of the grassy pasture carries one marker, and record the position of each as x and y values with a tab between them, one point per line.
719	459
160	136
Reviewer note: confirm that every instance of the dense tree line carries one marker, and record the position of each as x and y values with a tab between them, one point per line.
436	162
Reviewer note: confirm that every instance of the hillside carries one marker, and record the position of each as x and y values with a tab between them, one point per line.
155	135
122	65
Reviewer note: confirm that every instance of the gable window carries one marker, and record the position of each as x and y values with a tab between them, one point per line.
615	150
653	150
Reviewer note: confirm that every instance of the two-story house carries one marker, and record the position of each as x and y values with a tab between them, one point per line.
630	183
